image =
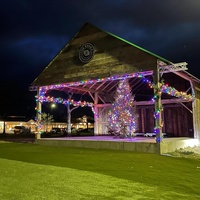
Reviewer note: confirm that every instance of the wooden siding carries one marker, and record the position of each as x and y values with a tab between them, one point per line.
112	57
146	120
196	111
103	121
177	120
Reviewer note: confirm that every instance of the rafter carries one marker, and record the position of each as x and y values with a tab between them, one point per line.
84	89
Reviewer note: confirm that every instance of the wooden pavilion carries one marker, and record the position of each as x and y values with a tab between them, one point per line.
93	62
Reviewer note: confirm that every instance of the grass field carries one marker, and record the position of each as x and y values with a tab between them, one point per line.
33	172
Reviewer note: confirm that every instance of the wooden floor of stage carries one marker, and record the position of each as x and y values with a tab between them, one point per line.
106	138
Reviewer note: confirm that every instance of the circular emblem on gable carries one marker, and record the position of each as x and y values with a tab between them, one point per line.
86	52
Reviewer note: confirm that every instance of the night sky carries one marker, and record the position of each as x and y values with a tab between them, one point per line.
34	31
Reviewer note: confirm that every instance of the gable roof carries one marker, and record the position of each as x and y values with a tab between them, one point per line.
113	56
140	48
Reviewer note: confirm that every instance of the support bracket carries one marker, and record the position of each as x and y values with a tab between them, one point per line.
173	67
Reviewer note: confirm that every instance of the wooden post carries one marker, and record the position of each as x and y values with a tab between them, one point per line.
38	116
196	112
68	120
96	124
158	105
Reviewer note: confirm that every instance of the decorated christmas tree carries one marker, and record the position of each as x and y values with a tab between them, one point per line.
122	116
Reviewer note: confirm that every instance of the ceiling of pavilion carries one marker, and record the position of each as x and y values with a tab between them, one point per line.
106	89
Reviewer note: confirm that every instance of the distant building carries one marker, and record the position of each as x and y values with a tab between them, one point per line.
11	122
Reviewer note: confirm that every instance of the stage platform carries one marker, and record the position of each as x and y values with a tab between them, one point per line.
138	144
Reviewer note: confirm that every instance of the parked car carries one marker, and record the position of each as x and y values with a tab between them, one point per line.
55	130
58	131
21	129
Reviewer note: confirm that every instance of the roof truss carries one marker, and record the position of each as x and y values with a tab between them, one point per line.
173	67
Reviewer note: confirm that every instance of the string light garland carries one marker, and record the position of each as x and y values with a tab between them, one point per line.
65	102
173	92
50	99
165	88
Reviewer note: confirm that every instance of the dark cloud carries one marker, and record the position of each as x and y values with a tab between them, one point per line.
34	31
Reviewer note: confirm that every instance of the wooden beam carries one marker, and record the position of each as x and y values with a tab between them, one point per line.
186	107
142	103
84	89
96	121
158	104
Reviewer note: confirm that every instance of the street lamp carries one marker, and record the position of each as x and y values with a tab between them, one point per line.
53	105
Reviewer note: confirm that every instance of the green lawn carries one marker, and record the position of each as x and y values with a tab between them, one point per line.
30	171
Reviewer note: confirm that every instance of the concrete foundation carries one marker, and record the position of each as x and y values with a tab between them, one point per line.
145	145
172	144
